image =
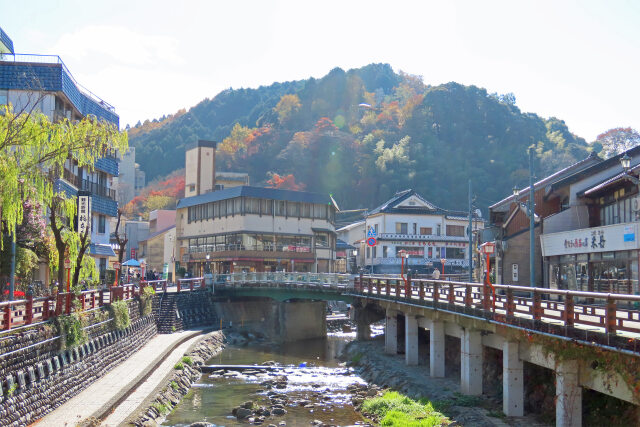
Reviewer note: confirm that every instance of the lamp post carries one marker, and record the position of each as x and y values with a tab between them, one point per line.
532	214
488	249
625	162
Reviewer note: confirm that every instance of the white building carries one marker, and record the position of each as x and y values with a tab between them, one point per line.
408	222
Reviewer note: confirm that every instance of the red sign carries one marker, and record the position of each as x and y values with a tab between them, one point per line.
67	263
371	241
133	253
116	266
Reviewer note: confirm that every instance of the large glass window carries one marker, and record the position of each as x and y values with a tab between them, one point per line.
455	253
455	230
322	240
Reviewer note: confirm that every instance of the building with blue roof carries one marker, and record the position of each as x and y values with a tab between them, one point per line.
43	83
244	228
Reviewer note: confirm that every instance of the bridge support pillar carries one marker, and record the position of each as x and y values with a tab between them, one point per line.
568	395
363	331
512	381
436	349
411	339
471	363
391	332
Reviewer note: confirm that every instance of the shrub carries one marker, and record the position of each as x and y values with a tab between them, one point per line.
174	385
179	366
162	409
146	300
71	331
187	360
120	314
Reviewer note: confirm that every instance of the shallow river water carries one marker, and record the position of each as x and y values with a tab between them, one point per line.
323	382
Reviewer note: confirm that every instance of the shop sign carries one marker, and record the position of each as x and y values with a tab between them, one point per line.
84	214
588	240
429	243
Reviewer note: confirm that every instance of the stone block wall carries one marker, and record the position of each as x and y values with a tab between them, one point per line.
175	312
36	377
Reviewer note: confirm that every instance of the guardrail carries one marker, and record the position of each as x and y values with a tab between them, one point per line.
613	314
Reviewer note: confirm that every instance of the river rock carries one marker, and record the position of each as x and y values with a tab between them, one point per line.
247	405
201	424
278	411
243	413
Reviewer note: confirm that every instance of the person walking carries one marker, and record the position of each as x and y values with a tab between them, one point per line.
435	274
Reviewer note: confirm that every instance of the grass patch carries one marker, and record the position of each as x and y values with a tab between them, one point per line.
356	358
187	360
179	366
468	401
174	385
162	409
395	409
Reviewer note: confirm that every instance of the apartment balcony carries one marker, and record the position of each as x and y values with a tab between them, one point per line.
71	178
97	189
47	73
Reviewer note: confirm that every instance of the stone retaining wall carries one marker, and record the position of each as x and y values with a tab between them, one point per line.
36	377
176	312
180	382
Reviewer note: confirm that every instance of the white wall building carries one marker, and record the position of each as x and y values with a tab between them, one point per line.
408	222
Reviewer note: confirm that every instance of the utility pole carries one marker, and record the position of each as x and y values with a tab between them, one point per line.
470	256
532	206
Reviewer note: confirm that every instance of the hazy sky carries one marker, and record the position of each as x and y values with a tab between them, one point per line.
576	60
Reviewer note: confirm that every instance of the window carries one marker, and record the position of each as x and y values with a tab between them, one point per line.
455	230
192	187
415	228
426	231
306	210
455	253
438	230
401	228
430	252
266	207
102	221
385	251
375	227
374	252
293	209
219	187
322	241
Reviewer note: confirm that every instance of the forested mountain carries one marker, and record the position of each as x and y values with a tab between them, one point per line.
316	134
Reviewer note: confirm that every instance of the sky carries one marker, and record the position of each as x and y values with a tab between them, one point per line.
576	60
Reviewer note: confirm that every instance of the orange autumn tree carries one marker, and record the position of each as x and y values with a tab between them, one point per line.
285	182
161	194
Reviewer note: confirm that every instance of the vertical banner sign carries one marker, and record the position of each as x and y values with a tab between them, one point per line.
84	213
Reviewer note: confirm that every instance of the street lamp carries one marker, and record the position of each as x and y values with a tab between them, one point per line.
625	161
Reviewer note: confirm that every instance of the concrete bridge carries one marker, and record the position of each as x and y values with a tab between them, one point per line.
567	332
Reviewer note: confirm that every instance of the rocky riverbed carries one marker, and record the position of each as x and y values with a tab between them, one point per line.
390	372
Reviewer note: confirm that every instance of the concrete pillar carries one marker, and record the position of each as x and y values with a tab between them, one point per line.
568	395
391	332
436	349
411	339
471	363
363	331
512	381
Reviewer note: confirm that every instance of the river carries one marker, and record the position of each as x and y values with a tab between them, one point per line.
323	383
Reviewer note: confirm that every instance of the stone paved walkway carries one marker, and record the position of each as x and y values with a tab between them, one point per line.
155	381
108	389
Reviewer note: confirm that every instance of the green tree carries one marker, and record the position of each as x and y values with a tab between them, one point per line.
618	140
33	153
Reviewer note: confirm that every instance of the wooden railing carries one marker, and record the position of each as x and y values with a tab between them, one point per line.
570	313
33	310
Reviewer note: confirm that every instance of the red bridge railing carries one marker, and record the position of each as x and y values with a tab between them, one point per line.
568	313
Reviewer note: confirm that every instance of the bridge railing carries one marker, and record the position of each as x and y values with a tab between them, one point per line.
157	285
598	312
190	284
33	310
274	279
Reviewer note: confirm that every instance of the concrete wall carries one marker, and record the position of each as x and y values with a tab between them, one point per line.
286	321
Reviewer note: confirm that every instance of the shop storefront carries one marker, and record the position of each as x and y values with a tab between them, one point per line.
599	259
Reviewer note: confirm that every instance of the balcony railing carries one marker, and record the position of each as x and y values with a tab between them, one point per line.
71	178
98	189
55	59
241	247
396	236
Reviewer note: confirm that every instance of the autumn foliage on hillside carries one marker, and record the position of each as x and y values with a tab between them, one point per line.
286	182
162	194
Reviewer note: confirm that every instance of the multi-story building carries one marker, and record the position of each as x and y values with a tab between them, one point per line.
592	242
509	224
44	83
231	179
247	228
407	223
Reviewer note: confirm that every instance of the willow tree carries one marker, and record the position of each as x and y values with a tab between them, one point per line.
33	152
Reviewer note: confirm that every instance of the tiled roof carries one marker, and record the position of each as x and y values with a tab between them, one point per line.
5	40
108	165
104	205
103	250
257	192
46	77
